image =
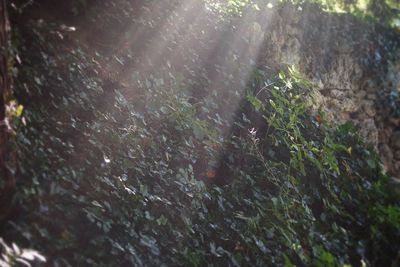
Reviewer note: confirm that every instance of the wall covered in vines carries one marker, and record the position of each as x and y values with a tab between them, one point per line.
152	133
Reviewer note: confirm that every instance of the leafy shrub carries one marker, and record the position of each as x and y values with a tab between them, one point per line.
13	255
166	178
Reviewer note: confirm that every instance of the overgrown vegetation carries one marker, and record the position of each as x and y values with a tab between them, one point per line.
162	175
383	11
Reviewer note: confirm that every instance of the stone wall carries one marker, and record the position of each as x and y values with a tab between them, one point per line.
355	67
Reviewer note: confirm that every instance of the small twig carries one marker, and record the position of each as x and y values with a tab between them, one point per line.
264	88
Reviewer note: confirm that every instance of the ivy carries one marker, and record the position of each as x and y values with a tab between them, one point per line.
163	176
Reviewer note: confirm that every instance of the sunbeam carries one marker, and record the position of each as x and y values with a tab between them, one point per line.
200	133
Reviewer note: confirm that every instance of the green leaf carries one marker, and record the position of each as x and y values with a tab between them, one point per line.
257	104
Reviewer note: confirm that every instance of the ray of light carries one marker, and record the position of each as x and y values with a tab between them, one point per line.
235	52
232	56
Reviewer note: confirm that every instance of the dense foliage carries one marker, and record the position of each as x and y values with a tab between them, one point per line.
381	11
162	174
